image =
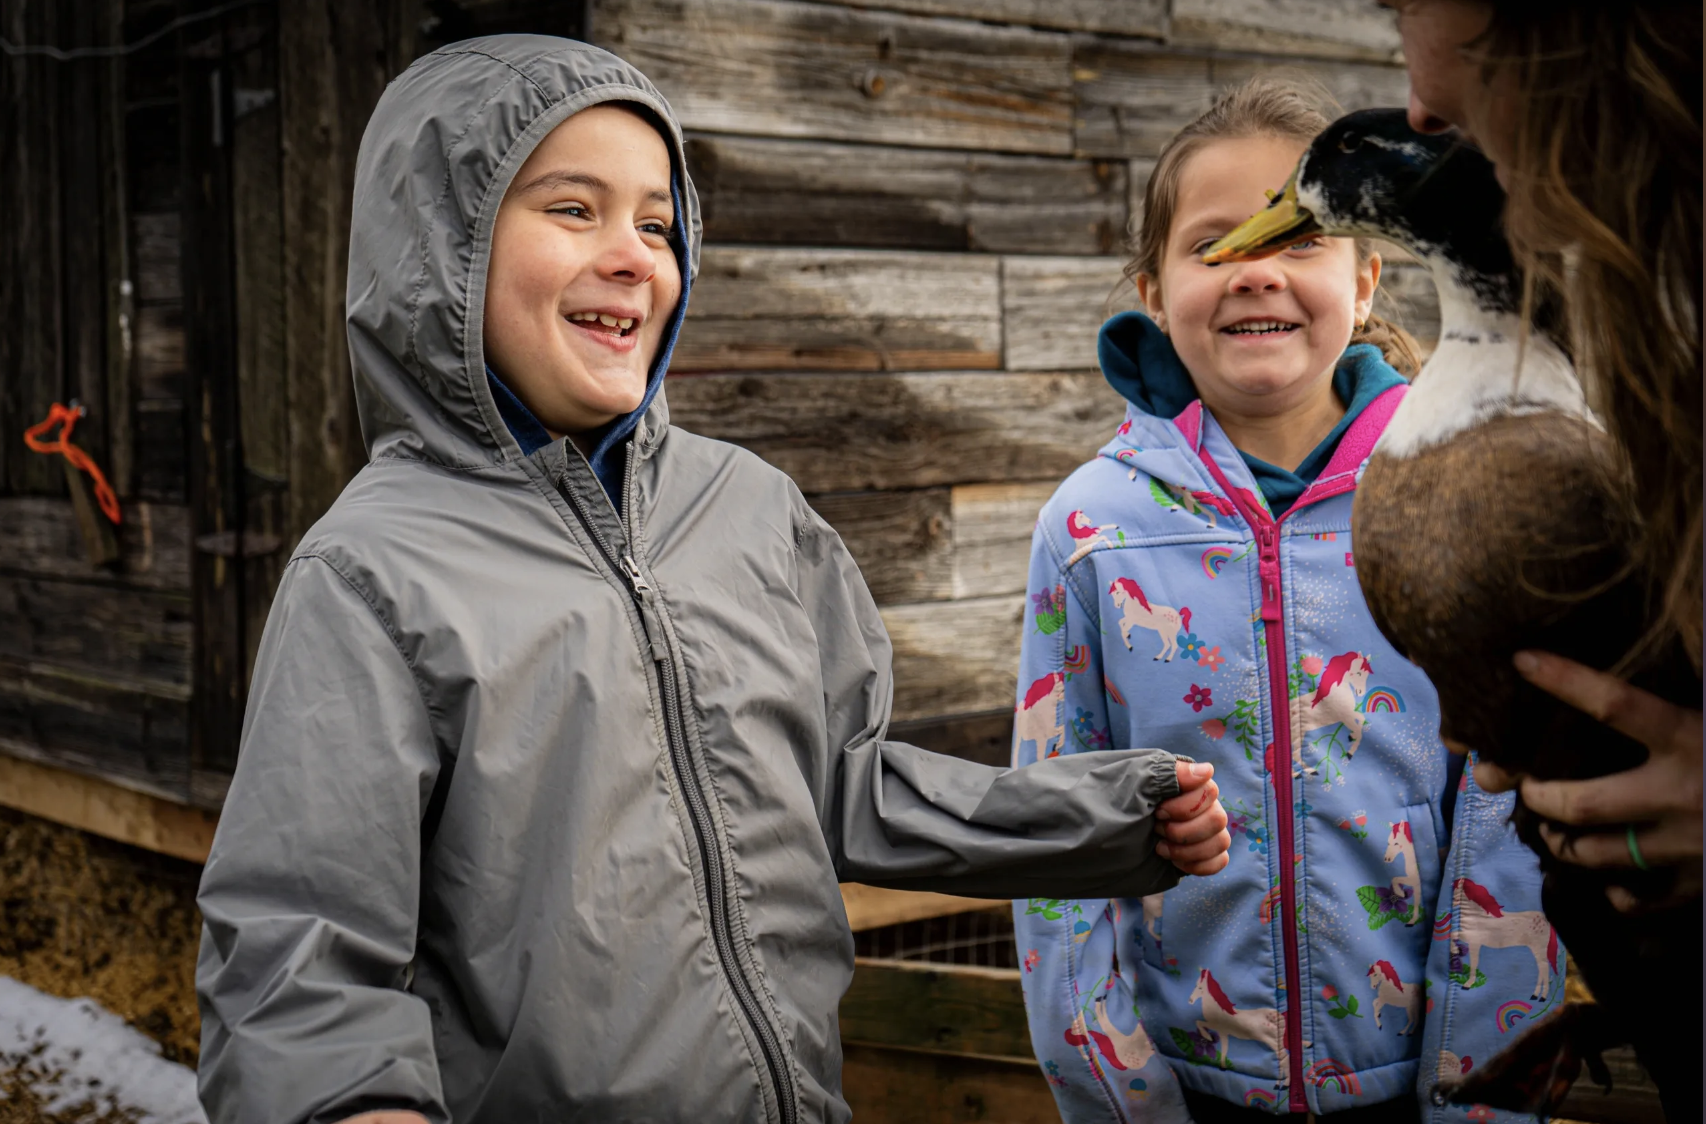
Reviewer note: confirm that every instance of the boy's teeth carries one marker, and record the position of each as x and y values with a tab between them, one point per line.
621	322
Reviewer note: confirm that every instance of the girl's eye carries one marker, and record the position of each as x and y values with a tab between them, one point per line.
1306	244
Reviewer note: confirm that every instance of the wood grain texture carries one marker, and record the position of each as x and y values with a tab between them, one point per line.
1131	97
937	544
763	190
1113	17
1409	296
985	738
42	540
1334	29
104	808
910	1087
784	68
954	657
943	1008
121	634
841	310
1052	308
877	432
869	907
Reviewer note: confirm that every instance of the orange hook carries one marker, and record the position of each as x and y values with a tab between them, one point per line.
68	415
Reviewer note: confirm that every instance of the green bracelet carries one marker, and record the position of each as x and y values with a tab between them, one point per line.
1634	851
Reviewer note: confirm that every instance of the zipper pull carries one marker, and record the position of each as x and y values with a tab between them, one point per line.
648	611
1268	569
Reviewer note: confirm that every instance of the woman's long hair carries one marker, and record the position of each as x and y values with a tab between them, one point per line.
1289	106
1605	210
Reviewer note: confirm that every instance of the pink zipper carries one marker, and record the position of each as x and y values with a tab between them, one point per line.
1273	627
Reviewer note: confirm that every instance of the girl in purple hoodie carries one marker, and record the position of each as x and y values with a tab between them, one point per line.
1194	587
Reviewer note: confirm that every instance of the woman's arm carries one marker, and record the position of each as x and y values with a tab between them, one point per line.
1660	798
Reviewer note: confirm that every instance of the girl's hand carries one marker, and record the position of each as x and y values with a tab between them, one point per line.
1660	797
1193	824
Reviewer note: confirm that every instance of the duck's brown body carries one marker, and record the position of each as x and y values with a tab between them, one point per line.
1514	534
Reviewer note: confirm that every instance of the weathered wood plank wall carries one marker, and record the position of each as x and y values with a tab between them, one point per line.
915	212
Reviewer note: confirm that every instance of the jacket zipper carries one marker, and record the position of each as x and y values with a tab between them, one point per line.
1273	629
698	808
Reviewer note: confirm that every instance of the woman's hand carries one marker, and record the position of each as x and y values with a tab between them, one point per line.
1193	824
1660	797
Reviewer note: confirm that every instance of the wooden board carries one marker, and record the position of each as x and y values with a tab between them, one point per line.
1115	17
1131	97
939	1007
132	733
1337	29
42	540
908	1087
791	69
841	310
106	809
954	657
935	544
118	634
985	738
875	432
1409	291
869	907
762	190
1052	308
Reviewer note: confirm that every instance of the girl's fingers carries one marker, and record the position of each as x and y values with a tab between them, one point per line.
1491	778
1205	826
1660	845
1205	868
1180	855
1189	805
1650	720
1661	787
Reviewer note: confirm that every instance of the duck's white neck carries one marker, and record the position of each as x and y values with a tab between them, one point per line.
1474	373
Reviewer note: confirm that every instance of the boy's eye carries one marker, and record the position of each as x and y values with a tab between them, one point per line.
572	210
661	229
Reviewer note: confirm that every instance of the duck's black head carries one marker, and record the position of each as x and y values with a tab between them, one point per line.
1370	174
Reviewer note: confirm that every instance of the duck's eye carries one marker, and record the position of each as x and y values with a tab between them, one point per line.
1349	142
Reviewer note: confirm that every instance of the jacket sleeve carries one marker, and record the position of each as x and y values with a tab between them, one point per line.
311	893
1473	1013
901	817
1079	992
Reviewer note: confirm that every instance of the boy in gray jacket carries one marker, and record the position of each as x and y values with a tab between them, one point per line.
557	748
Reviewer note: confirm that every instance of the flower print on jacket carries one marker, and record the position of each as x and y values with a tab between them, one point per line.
1049	606
1199	697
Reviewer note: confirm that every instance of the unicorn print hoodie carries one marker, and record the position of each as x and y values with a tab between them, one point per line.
1379	925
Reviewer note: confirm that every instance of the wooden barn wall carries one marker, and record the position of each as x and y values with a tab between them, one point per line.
914	216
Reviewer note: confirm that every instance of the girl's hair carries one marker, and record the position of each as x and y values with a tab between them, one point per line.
1605	211
1293	107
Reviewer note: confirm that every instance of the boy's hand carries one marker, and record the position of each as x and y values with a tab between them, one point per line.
1193	824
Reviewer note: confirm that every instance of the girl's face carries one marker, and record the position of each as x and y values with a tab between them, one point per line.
1259	338
582	278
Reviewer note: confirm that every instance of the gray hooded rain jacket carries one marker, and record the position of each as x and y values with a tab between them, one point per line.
541	808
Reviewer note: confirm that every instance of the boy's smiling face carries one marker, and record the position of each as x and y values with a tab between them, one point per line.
583	280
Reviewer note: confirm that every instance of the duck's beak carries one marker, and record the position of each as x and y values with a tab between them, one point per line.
1266	232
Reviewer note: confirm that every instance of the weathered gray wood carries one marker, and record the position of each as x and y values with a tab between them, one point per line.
945	1008
1138	171
115	634
158	332
1133	97
954	657
1409	296
984	738
763	190
936	544
120	289
784	68
1051	309
841	310
42	540
136	734
1337	29
876	432
1111	17
160	449
159	254
900	1086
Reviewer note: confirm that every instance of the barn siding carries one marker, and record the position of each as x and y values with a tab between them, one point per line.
914	214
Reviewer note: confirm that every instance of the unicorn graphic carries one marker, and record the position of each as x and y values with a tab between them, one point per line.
1122	1050
1137	612
1152	918
1390	991
1038	719
1220	1016
1482	924
1344	681
1177	497
1087	534
1400	844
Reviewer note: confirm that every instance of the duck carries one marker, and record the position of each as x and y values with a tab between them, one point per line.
1495	514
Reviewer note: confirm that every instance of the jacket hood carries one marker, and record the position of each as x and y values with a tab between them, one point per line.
444	142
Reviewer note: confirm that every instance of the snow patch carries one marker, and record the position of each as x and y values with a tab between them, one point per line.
88	1055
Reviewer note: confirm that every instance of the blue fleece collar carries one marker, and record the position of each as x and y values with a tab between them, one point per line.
1139	361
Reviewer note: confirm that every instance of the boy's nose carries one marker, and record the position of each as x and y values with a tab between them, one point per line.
627	258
